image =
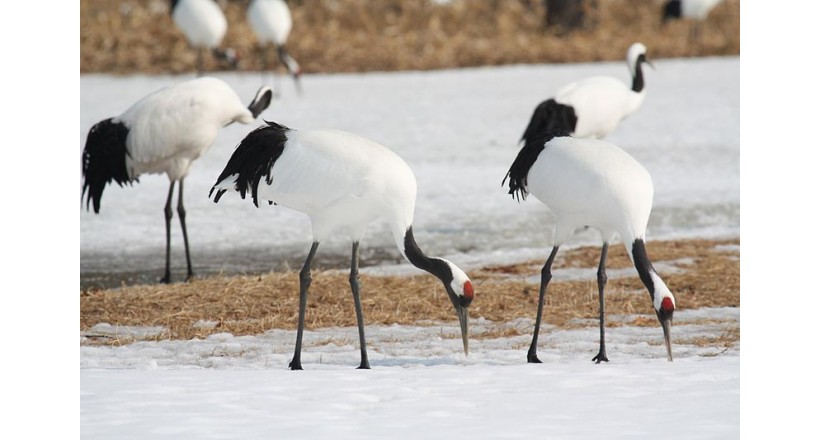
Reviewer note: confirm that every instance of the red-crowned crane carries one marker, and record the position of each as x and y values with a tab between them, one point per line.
271	22
592	183
592	107
204	26
163	133
342	182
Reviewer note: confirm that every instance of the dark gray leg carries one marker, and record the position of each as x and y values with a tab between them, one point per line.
546	275
181	212
354	287
168	215
304	283
601	356
200	61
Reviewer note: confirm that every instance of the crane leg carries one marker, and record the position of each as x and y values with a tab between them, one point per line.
304	284
200	62
168	215
181	212
601	356
546	275
354	287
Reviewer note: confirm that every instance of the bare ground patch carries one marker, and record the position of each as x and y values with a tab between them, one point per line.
247	305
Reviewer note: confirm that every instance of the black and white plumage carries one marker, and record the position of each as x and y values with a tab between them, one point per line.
592	183
592	107
342	182
163	133
204	26
693	10
271	22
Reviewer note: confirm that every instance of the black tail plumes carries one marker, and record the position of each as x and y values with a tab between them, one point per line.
104	159
523	162
550	116
252	159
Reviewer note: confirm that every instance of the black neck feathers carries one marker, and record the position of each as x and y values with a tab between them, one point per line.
260	102
526	158
434	266
253	159
637	80
104	159
643	265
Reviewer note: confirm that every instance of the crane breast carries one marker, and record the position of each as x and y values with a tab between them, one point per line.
600	103
270	20
202	22
178	124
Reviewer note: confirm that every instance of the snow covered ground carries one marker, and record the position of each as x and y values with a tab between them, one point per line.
458	131
421	385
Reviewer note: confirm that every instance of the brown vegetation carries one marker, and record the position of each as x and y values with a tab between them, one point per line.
709	276
128	36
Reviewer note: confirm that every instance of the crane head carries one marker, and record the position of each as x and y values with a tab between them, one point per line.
664	304
460	291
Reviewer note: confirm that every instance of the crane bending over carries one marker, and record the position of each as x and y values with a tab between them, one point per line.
589	182
342	182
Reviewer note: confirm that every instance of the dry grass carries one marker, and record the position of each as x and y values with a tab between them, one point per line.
127	36
253	304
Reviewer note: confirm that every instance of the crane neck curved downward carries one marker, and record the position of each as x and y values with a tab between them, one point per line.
658	290
435	266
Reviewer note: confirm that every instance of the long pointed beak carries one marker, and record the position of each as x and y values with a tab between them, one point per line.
650	64
463	319
667	328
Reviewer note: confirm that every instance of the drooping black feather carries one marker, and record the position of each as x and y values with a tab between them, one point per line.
104	159
252	159
526	158
550	116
